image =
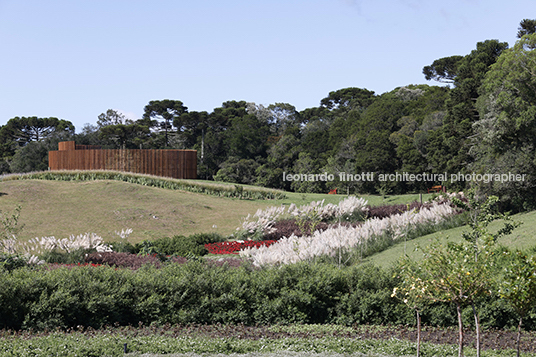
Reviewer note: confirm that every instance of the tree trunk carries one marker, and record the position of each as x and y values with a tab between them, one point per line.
460	330
477	327
419	334
519	334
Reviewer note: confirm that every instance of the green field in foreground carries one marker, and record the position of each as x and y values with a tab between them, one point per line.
62	208
76	344
522	237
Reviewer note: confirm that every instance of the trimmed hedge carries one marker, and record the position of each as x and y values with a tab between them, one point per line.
202	293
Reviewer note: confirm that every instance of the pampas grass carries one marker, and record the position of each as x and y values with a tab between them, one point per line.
334	240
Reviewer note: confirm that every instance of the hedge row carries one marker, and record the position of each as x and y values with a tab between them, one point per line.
201	293
210	188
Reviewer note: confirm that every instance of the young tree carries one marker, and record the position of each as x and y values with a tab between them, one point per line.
451	274
480	213
412	291
461	272
518	286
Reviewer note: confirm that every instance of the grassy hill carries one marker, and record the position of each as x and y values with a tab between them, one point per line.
62	208
55	208
523	237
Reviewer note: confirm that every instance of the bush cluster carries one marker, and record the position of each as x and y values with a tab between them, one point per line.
201	293
179	245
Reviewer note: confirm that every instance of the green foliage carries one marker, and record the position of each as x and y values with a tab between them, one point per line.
449	146
518	286
480	215
505	131
238	171
9	262
443	70
179	245
197	292
10	225
161	114
143	342
526	27
62	257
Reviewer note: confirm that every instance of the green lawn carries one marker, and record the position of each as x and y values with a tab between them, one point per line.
523	237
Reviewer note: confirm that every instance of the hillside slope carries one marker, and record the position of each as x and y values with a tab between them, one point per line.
57	208
522	237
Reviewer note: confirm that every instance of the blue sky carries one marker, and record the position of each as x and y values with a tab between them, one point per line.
75	59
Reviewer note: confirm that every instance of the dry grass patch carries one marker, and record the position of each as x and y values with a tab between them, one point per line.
59	208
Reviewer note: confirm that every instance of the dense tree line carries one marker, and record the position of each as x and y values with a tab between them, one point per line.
482	121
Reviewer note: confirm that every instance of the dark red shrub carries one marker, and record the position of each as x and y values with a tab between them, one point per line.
391	210
288	227
122	260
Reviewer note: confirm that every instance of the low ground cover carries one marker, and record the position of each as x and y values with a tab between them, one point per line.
293	340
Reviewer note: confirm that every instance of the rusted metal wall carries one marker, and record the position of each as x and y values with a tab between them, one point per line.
169	163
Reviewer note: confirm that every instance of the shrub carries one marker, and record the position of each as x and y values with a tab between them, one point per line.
288	227
122	246
390	210
9	262
203	293
180	245
63	257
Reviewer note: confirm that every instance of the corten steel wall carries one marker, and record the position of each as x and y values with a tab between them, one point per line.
169	162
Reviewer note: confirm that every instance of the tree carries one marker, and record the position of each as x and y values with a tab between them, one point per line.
126	136
306	165
374	151
526	27
505	131
22	130
451	274
443	70
112	117
191	127
348	99
518	286
283	117
451	143
411	290
461	272
238	171
164	111
214	142
480	213
341	164
34	155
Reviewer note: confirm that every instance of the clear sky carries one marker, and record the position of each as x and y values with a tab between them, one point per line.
74	59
